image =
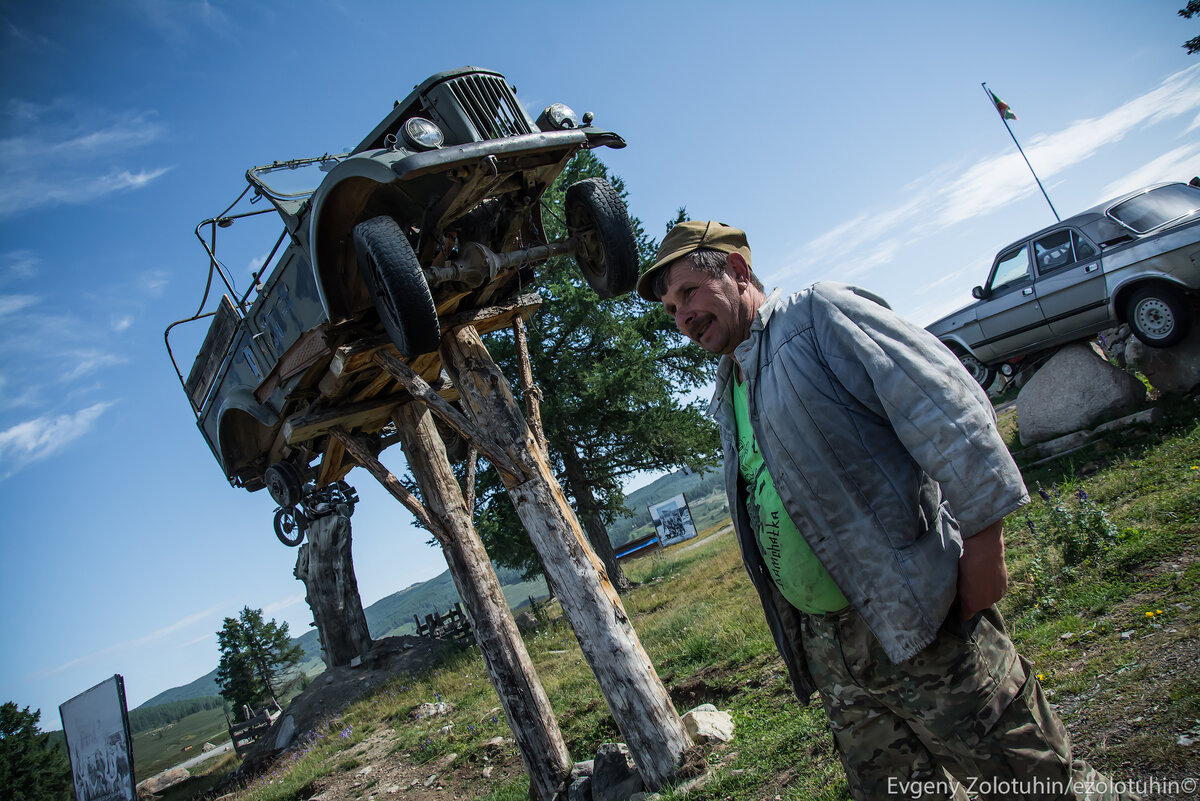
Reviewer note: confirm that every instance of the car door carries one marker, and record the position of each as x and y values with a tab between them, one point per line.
1010	317
1070	284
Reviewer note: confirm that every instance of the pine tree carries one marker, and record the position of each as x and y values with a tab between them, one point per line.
255	656
31	769
613	376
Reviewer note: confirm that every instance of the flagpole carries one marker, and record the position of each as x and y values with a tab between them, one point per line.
992	100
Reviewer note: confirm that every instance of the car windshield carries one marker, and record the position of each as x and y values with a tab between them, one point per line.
294	178
1156	208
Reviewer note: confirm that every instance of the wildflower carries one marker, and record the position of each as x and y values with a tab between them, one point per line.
1045	495
1029	523
1081	495
1158	611
1149	614
1041	677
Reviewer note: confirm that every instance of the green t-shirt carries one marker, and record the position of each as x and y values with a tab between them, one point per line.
795	568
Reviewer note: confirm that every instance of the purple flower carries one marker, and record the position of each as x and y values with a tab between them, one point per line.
1045	495
1081	495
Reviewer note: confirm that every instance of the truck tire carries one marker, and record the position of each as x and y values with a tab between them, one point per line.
1157	315
607	249
393	275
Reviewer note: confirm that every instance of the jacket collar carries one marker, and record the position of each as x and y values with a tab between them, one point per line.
747	352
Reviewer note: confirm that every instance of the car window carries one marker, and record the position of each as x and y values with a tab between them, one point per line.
1156	208
1060	249
1011	268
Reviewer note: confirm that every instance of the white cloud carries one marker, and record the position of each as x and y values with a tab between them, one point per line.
69	155
281	604
42	437
1179	164
152	637
947	197
119	324
87	362
154	282
10	304
20	264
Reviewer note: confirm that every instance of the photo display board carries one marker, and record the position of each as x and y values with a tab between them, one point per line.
96	726
673	520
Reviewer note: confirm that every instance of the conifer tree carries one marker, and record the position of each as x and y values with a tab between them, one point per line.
255	656
31	768
615	376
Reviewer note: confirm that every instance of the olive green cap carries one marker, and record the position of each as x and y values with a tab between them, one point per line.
690	236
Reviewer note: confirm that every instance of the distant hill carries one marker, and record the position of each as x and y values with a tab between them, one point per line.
393	615
389	616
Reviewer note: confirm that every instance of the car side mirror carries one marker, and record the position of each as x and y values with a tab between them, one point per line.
978	293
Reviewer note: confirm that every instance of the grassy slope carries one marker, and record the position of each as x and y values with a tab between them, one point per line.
158	749
1116	638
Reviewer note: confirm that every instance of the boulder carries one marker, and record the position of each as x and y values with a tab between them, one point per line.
615	776
1074	390
161	781
285	732
1174	370
706	723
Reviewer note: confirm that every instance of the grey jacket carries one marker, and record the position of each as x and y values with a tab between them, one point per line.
884	452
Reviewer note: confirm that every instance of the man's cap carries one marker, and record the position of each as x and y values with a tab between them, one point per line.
691	236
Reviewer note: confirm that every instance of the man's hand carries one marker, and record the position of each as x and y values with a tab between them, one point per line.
982	574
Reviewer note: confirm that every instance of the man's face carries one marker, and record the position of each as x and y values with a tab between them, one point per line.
708	309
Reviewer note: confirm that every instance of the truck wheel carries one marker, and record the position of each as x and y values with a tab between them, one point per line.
1157	315
982	374
607	250
290	525
393	275
284	483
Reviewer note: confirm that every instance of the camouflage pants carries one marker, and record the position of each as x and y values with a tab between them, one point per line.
966	706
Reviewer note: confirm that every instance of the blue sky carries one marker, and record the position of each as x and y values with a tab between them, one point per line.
852	142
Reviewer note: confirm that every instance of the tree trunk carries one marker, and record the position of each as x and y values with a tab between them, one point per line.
526	706
589	510
636	697
326	567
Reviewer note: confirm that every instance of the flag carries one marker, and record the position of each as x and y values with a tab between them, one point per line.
1002	108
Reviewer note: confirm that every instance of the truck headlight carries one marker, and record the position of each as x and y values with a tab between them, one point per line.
557	117
421	134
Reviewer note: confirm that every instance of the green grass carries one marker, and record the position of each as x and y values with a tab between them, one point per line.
699	620
158	749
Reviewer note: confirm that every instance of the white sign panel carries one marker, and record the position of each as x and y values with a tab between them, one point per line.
673	520
97	730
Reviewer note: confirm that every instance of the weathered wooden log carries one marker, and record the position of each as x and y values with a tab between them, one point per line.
325	566
525	703
636	697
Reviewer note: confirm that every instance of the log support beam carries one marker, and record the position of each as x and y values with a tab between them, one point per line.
636	696
444	513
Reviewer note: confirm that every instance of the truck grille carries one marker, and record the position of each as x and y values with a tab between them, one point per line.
490	105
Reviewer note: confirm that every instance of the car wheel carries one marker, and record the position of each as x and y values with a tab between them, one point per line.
284	483
606	249
983	374
393	275
1158	316
290	525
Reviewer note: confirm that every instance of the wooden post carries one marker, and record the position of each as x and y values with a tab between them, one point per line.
325	566
533	395
636	697
444	514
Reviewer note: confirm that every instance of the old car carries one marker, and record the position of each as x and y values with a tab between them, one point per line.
1134	259
436	212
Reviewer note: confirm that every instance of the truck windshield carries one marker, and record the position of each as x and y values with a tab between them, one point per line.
295	178
1158	207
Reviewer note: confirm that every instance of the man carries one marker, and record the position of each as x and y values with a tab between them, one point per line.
868	485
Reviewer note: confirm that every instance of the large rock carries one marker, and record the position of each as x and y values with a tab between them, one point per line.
161	781
1076	389
1172	370
706	723
615	776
